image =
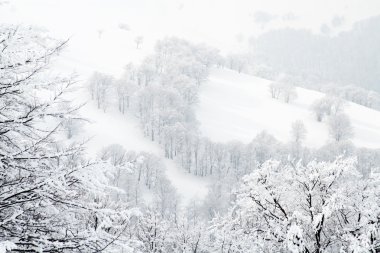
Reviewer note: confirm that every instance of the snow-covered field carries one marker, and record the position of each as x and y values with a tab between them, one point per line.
237	106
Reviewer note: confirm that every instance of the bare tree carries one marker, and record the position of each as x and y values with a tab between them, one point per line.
237	62
340	127
126	87
327	106
289	92
100	86
72	126
275	90
298	132
282	90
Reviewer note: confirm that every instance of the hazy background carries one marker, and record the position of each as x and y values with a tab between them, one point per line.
217	22
315	42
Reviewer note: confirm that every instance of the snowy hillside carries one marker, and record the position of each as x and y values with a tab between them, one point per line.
104	129
104	41
237	106
129	126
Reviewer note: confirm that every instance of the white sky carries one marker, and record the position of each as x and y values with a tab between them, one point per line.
213	21
225	24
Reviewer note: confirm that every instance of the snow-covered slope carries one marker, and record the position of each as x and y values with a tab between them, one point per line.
113	127
108	52
237	106
232	106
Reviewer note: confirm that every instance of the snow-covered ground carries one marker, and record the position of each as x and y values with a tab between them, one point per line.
237	106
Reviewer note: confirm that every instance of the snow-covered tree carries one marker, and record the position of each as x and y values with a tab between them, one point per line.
298	131
126	87
340	127
320	108
275	90
282	90
368	161
298	135
321	207
72	126
289	93
327	106
100	86
116	155
50	200
189	235
162	91
154	232
237	62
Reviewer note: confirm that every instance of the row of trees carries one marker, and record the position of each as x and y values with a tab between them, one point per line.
355	94
349	57
161	92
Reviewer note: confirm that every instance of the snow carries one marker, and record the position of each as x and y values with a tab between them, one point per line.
232	106
156	19
104	47
237	106
113	127
190	187
6	246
